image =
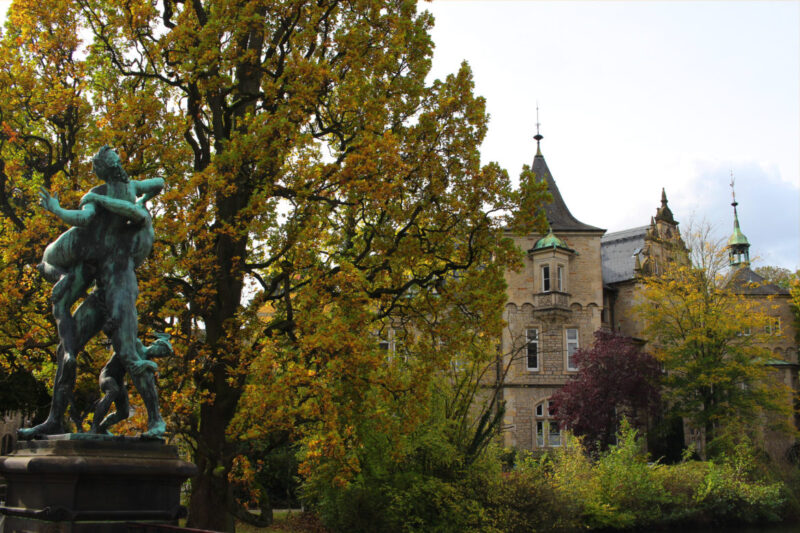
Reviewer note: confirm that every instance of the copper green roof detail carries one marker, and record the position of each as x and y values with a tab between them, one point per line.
737	238
551	241
779	362
737	241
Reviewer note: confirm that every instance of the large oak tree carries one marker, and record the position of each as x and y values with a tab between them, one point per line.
322	196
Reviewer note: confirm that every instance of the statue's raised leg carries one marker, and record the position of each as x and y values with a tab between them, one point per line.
121	292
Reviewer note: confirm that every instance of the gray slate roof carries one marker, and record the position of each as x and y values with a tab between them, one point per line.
745	281
617	251
558	215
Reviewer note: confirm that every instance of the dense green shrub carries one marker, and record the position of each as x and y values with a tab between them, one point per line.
527	500
432	487
734	489
435	489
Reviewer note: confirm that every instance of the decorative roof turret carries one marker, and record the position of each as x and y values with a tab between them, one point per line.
738	245
664	213
551	241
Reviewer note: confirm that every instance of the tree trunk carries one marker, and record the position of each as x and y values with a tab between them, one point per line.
210	503
212	500
207	510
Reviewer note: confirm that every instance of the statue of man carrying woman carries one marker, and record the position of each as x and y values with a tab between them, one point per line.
112	234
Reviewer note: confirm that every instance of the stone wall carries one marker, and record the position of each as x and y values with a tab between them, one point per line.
9	424
626	322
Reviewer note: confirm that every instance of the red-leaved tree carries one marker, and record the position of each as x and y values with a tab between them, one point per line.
615	379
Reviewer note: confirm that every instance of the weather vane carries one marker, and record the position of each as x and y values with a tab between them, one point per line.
538	135
733	191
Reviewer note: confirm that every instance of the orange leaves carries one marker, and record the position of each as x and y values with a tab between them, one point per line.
8	132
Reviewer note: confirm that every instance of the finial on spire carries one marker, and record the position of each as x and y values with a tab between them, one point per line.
738	245
663	197
538	135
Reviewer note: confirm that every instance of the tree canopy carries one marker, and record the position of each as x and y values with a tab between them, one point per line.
712	344
322	196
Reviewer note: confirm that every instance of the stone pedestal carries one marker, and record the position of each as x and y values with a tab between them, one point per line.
82	483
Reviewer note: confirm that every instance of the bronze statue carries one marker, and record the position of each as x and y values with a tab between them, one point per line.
112	234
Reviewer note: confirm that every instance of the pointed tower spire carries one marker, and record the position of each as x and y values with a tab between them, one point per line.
738	245
664	213
557	213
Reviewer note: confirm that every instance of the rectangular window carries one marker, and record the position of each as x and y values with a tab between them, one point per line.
554	436
572	347
560	278
540	433
545	278
773	326
532	354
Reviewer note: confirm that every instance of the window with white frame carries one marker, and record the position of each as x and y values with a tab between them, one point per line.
773	326
560	278
390	342
572	347
532	349
554	435
540	424
545	278
548	431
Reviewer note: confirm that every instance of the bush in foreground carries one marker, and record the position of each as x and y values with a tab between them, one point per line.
566	489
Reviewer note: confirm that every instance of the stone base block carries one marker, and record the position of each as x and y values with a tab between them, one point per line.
82	483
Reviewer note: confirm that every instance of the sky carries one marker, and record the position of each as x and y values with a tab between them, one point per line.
636	96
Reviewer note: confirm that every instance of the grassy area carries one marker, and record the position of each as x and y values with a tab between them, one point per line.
286	521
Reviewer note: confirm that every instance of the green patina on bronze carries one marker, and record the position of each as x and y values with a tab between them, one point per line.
112	234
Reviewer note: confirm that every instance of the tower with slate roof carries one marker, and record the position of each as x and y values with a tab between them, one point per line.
554	307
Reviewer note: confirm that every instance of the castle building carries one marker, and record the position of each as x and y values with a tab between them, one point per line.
577	279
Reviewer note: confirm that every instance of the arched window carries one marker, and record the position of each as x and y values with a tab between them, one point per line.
548	433
6	444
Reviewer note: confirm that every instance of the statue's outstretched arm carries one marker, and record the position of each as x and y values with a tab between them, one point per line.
148	189
123	208
73	217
